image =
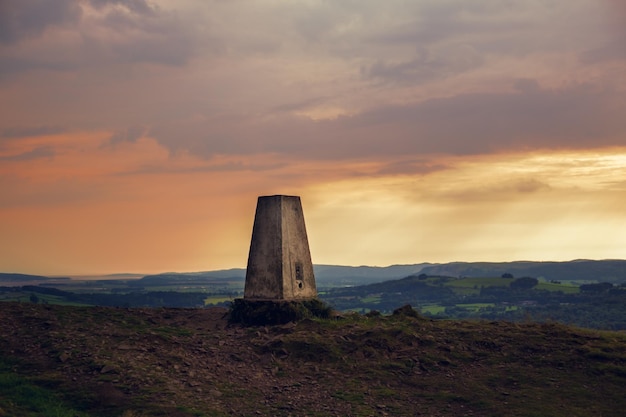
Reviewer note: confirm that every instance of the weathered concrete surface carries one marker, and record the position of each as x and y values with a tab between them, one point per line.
279	262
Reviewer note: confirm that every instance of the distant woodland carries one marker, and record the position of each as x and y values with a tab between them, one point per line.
588	294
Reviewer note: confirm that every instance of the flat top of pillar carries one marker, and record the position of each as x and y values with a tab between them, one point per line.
279	196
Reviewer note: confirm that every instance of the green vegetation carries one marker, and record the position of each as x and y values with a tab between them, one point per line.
597	305
272	312
582	293
613	271
432	309
565	288
21	396
215	300
479	282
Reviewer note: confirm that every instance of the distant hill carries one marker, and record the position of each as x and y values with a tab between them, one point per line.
324	275
613	271
235	274
335	275
583	293
13	277
361	275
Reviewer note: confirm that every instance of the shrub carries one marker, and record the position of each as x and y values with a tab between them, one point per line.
524	283
406	311
260	313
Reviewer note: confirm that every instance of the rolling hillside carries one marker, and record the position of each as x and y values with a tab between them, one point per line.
111	362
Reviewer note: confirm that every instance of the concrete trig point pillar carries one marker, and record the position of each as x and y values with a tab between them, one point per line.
279	263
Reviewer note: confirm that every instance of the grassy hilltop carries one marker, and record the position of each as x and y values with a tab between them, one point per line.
67	361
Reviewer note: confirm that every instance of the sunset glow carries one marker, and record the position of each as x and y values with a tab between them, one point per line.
135	136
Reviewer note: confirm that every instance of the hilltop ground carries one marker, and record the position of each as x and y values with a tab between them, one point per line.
93	361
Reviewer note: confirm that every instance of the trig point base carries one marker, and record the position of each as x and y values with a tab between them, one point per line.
279	262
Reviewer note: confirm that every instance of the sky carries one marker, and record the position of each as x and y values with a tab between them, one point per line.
136	135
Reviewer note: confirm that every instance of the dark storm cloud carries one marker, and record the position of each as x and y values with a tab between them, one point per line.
241	75
21	19
119	31
579	116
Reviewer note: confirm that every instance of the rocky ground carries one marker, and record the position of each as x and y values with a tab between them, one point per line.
191	362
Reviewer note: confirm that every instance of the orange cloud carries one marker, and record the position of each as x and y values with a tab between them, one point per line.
89	206
553	206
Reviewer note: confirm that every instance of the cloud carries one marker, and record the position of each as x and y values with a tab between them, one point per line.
37	153
136	6
428	65
577	116
613	50
72	35
130	134
500	190
20	19
324	80
210	167
432	22
135	31
20	132
530	185
410	116
412	166
477	208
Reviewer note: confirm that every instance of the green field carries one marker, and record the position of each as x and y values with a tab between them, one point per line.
371	299
216	299
564	288
481	282
471	286
433	309
25	297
